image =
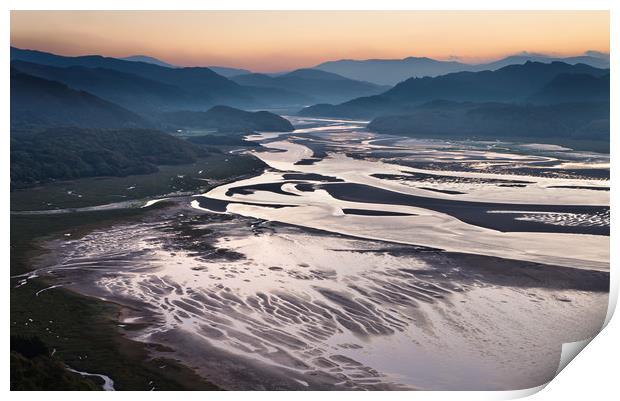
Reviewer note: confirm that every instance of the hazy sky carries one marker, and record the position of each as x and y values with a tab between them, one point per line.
281	40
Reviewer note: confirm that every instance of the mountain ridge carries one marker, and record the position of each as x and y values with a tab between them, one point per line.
197	81
316	84
512	83
39	102
148	59
393	71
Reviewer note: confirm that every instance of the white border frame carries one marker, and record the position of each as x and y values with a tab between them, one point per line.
592	375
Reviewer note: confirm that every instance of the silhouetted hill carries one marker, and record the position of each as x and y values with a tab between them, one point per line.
556	123
573	88
597	62
148	59
69	153
309	73
514	83
37	102
228	71
196	81
128	90
319	85
391	72
227	119
223	71
162	88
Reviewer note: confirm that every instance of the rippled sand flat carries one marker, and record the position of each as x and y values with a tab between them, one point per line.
281	282
333	311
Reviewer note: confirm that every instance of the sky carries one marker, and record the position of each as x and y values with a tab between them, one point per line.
270	41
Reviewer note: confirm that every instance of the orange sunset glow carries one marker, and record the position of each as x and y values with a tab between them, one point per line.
280	40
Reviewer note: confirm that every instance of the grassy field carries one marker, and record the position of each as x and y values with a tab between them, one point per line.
80	332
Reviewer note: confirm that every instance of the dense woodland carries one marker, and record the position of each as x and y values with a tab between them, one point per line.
69	153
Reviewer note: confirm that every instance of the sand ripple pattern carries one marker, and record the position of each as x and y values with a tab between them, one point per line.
320	309
291	315
569	219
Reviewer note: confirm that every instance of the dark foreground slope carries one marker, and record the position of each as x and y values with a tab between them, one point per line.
37	102
227	119
69	153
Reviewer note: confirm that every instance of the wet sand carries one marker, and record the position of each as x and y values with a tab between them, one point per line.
352	273
475	213
258	305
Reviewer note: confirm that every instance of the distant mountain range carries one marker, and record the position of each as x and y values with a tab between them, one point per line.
228	71
223	71
391	72
147	87
313	84
37	102
598	60
128	90
514	83
147	59
201	87
48	90
555	102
